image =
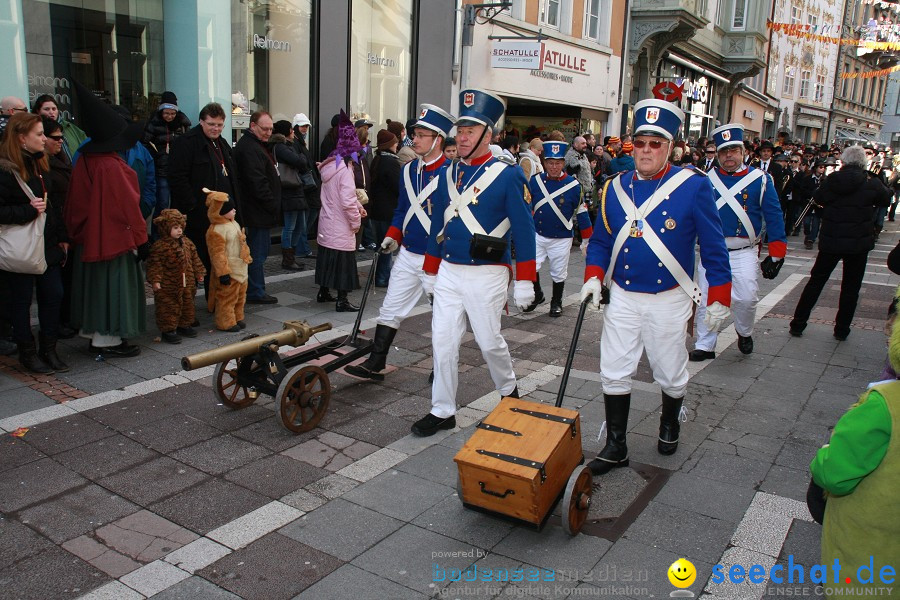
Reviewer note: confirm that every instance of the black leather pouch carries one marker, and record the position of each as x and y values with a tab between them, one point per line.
487	247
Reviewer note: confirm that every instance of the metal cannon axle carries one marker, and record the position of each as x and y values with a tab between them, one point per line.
295	333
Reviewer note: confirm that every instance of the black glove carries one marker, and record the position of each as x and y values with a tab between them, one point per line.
815	502
604	295
143	251
225	280
770	268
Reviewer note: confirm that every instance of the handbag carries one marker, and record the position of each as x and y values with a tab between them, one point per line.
22	246
487	247
290	177
308	181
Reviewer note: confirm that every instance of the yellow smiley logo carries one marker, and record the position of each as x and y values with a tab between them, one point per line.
682	573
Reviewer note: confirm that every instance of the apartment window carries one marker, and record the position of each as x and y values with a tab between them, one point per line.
820	88
773	79
845	83
739	15
853	86
795	14
720	13
517	10
812	20
550	12
596	20
789	81
804	84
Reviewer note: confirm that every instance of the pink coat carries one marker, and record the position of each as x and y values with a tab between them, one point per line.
339	216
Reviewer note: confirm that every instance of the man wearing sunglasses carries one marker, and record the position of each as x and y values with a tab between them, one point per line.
642	250
747	197
709	158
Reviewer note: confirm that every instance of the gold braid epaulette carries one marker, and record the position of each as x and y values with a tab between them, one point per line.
603	206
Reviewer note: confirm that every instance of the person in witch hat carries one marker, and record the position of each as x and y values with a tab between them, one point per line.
108	232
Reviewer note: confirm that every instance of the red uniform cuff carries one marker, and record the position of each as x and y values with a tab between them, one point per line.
593	271
720	294
431	264
395	234
526	270
777	249
587	233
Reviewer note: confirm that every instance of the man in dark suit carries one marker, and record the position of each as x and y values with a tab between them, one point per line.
709	158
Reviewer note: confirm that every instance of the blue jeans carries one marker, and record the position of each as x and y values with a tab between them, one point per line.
259	241
49	297
385	261
294	233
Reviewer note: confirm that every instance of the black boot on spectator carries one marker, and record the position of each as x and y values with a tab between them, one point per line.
47	353
29	359
342	304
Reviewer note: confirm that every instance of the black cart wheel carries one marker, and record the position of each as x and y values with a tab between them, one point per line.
304	393
228	389
577	500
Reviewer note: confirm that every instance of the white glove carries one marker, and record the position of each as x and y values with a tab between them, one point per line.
592	289
428	285
716	315
584	245
389	245
523	294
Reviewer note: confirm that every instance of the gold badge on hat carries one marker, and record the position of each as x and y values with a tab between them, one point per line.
670	223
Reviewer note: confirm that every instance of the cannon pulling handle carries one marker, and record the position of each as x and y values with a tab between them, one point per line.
295	333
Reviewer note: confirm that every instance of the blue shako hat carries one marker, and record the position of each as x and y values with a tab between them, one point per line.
554	149
477	107
657	117
730	134
434	118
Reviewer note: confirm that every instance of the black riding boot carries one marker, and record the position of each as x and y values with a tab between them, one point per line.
381	345
669	427
615	453
556	300
47	353
342	304
324	295
538	295
29	359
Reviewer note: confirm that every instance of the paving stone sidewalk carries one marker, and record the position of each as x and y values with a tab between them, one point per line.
146	487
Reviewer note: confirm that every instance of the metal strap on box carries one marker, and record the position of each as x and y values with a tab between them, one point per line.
495	429
516	460
547	416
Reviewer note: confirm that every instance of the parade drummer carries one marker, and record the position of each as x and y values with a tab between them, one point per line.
642	248
556	202
478	206
409	232
748	205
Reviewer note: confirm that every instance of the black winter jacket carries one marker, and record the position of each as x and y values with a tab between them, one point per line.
159	136
849	198
312	196
194	165
259	183
385	186
286	154
15	207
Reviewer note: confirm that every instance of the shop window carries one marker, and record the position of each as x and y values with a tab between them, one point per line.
804	84
550	13
270	56
820	88
118	55
739	15
596	20
789	81
380	60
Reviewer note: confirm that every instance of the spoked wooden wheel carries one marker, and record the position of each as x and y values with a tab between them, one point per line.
577	500
228	389
305	393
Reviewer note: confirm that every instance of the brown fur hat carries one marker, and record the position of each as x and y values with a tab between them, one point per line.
168	219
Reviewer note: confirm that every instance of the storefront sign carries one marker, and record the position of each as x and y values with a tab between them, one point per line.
565	60
851	121
264	42
769	115
381	61
668	91
871	125
517	55
749	114
695	90
553	76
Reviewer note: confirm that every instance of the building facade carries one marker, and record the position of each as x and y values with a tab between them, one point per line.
573	84
890	132
698	53
374	58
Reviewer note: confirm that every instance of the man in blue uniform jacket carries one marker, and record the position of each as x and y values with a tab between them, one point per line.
556	202
410	228
478	205
642	248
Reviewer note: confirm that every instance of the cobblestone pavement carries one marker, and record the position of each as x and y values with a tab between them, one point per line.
125	478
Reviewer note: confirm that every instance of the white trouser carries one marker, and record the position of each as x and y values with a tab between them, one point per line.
479	293
634	322
556	250
744	297
404	289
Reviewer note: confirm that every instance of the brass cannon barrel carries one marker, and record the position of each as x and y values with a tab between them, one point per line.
295	333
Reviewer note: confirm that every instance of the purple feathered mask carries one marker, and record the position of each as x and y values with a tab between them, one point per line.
347	146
